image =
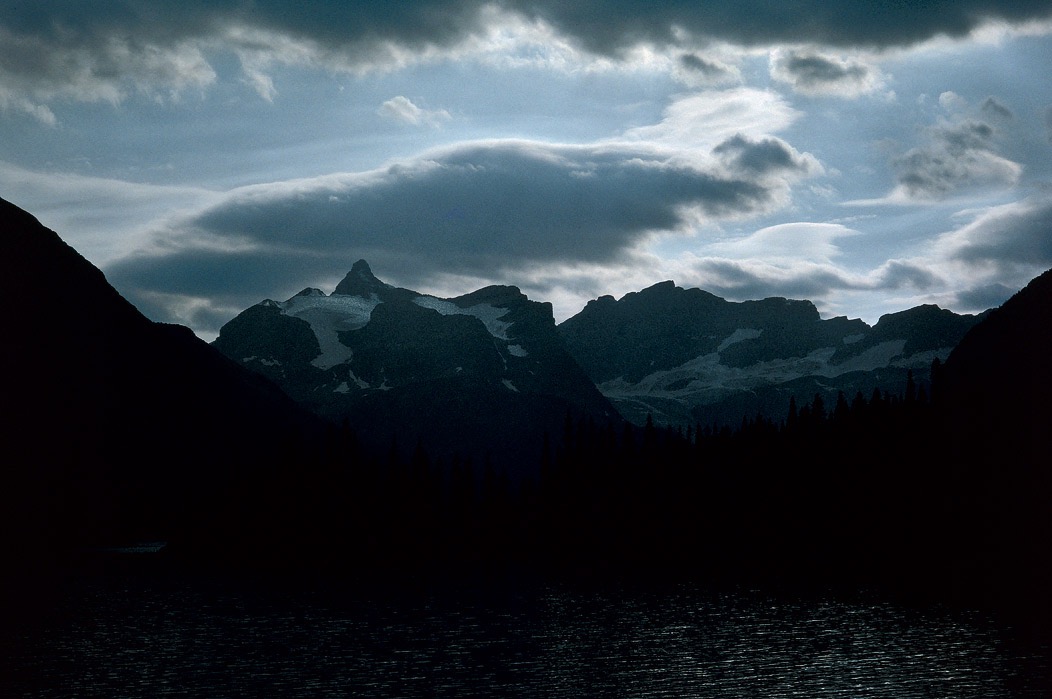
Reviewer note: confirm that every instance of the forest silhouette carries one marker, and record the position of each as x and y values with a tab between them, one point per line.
881	491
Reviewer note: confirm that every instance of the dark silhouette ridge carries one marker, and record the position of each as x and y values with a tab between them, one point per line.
113	427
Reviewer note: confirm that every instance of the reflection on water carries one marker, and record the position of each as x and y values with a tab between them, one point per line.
141	637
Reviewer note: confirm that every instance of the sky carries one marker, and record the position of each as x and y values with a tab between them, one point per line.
867	156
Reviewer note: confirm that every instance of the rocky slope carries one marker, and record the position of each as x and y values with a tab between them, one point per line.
686	356
476	376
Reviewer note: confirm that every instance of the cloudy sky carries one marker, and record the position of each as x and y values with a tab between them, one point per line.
206	155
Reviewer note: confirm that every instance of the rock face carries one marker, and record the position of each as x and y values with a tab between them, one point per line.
686	356
476	376
112	426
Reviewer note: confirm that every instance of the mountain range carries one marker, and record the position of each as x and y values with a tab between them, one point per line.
380	355
122	425
480	376
686	356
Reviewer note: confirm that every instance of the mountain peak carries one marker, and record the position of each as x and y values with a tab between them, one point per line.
360	281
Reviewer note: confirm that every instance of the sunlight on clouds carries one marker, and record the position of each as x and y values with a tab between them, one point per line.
102	218
788	241
1011	237
402	109
703	120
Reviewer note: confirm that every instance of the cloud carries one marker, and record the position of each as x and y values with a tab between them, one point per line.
67	49
403	110
102	218
764	157
952	102
795	260
701	121
608	27
477	209
800	241
995	109
72	63
697	70
959	155
980	298
812	73
1008	237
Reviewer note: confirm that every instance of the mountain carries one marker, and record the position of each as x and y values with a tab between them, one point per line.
484	375
995	396
113	427
997	381
687	356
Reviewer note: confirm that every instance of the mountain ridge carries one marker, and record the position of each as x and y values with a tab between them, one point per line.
371	349
112	425
686	356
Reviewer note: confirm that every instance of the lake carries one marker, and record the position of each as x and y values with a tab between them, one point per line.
143	635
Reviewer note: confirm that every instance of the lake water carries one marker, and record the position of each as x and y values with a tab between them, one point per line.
150	636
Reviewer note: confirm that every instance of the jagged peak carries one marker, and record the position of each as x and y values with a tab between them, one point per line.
495	295
311	291
360	281
665	286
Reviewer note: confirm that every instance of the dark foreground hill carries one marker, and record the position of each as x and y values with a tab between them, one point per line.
995	398
113	427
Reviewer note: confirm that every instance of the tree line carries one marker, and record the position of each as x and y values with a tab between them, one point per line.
880	490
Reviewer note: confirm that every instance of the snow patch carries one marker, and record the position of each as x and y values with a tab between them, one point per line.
739	335
875	357
509	385
517	351
705	379
264	362
342	388
489	315
328	316
360	383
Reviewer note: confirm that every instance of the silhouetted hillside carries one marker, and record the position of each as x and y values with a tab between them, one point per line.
112	426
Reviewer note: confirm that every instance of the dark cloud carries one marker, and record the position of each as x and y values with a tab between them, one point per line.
609	25
71	46
738	280
475	210
959	155
749	279
331	23
811	70
709	70
896	274
761	157
983	297
993	107
1014	235
812	73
